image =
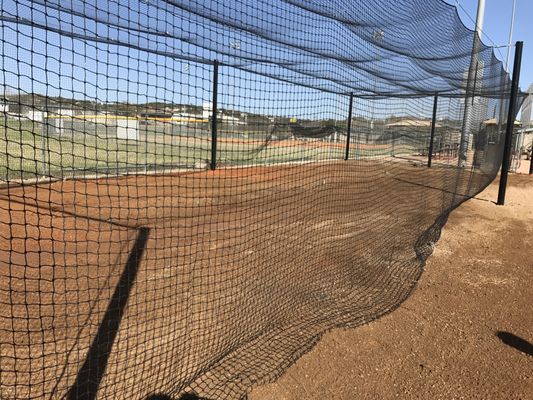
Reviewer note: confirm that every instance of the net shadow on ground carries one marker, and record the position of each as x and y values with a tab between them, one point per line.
516	342
63	210
93	369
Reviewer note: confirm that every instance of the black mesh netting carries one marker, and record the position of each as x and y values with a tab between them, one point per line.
193	192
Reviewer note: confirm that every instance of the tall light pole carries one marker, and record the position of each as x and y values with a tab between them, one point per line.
510	38
480	16
471	76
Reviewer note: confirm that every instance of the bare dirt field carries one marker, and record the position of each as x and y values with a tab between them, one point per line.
466	331
217	281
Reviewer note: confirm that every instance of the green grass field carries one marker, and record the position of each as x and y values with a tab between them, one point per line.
27	151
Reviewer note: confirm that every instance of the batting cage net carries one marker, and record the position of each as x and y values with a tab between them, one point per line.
193	192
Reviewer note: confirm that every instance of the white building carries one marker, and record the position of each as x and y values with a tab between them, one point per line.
526	118
526	114
35	115
207	112
184	118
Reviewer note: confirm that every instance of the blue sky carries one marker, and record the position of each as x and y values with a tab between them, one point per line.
97	70
496	29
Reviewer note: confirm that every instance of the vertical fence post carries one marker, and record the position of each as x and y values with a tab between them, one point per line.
213	164
531	160
44	141
510	124
349	127
146	144
433	123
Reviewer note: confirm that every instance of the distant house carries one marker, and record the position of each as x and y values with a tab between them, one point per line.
494	130
207	110
231	120
187	118
229	117
38	115
416	132
408	130
412	124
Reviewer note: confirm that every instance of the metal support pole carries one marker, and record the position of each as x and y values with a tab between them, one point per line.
531	161
349	127
432	137
469	113
480	17
213	164
44	141
510	38
510	124
475	81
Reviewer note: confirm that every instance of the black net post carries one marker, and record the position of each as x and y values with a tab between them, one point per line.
432	137
510	123
531	161
349	127
213	164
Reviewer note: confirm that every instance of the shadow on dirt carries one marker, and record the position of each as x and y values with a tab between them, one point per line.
515	341
91	373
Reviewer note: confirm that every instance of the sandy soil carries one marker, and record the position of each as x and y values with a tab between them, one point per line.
217	281
463	334
524	166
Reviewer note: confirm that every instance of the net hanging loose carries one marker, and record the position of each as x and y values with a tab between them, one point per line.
193	192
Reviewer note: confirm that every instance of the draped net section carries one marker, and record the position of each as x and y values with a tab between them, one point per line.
193	192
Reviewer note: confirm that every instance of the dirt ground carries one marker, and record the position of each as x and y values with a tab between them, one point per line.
459	334
524	166
217	281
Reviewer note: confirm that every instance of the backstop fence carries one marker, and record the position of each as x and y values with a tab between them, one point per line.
193	192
